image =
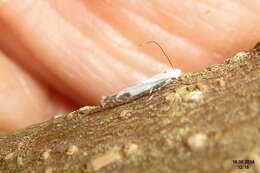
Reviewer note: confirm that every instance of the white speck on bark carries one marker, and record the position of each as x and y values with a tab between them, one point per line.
197	141
104	160
193	96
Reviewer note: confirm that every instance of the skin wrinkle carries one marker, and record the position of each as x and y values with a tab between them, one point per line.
42	66
189	32
151	14
127	52
217	56
151	57
120	68
21	104
13	110
110	62
173	12
75	44
115	21
105	60
233	30
196	51
196	20
10	43
142	33
20	81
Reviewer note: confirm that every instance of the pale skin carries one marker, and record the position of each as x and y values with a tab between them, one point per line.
61	54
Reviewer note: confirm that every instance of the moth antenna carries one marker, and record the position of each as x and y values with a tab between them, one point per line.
165	54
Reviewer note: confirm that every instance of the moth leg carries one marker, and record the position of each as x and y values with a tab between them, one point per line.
150	94
157	87
150	98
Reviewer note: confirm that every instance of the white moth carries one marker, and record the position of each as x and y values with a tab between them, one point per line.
147	86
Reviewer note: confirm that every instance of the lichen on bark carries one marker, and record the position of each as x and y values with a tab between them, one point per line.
201	122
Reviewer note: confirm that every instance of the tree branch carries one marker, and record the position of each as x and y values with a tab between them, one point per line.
202	122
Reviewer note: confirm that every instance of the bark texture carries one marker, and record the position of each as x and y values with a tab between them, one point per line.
202	122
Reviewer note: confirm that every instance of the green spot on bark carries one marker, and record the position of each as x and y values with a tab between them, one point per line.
19	162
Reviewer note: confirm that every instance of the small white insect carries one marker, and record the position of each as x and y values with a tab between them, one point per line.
147	86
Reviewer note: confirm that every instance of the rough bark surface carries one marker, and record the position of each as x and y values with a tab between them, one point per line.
201	122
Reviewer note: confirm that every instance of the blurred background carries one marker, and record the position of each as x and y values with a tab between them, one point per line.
59	55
